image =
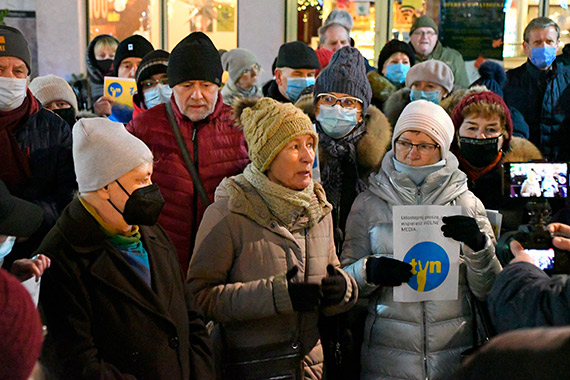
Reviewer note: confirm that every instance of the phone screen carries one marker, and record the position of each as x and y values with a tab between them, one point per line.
537	179
543	258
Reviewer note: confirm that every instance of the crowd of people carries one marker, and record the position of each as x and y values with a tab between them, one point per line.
221	228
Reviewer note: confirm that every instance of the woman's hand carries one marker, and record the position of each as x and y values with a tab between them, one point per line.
464	229
25	269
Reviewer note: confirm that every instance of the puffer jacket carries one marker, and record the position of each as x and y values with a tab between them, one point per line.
238	268
217	149
416	340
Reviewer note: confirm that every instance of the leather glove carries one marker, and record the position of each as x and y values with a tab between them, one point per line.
464	229
333	287
387	272
304	296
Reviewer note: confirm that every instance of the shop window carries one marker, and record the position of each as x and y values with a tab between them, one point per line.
558	11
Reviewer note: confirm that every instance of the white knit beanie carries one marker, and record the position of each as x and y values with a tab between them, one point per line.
429	118
103	151
50	88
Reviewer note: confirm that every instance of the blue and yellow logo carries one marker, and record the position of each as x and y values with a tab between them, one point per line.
430	266
115	89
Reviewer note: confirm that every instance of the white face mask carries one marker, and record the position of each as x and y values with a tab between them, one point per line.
12	93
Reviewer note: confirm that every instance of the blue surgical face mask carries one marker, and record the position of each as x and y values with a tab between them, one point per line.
337	121
157	95
396	73
6	246
430	96
542	57
417	174
296	85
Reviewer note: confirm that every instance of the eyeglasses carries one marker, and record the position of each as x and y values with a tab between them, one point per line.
149	83
429	33
345	102
253	69
423	148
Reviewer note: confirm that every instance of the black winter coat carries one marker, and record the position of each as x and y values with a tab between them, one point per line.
542	97
104	321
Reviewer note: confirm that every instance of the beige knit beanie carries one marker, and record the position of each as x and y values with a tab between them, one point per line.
268	126
429	118
50	88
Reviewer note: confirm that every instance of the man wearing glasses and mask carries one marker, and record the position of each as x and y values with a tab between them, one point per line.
423	39
152	82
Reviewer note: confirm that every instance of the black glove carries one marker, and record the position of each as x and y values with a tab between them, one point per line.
387	272
464	229
333	287
304	296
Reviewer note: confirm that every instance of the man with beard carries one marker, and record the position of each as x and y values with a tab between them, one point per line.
215	146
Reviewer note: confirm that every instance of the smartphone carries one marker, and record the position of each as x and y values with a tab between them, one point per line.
543	258
536	179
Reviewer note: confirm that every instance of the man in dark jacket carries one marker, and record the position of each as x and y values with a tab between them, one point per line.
35	144
294	71
114	299
538	89
216	146
525	296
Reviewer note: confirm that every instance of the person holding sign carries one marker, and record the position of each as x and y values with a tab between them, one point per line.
420	339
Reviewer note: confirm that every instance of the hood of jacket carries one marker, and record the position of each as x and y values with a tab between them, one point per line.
93	70
439	188
521	150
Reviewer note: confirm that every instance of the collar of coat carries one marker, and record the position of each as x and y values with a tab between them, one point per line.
245	200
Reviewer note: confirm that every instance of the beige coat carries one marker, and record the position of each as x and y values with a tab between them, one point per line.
238	272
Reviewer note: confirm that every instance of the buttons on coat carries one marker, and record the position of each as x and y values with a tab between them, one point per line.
295	345
273	224
173	342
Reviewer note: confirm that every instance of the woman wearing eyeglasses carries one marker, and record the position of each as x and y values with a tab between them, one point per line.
152	82
244	71
417	340
353	138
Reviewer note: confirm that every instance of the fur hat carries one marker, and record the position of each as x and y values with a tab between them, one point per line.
50	88
195	58
423	22
489	97
20	329
14	44
268	125
103	151
236	61
429	118
133	46
431	71
345	73
395	46
340	16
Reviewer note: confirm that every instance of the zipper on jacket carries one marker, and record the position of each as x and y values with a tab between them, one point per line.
424	343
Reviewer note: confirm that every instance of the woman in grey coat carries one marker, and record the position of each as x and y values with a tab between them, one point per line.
417	340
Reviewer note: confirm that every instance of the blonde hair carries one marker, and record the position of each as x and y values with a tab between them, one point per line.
103	42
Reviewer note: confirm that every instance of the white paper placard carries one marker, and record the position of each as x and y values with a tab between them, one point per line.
33	287
418	240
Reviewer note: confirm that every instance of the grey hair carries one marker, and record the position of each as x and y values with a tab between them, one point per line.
323	29
340	16
540	23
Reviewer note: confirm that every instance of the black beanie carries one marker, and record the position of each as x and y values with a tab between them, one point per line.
345	73
13	44
395	46
297	55
133	46
153	63
195	58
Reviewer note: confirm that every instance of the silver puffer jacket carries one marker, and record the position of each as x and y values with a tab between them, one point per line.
417	340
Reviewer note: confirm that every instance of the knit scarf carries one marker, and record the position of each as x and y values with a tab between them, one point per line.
287	205
14	167
475	173
343	149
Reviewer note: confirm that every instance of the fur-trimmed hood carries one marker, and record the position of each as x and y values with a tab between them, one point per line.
521	150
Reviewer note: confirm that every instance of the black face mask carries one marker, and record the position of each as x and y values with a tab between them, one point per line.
105	65
67	114
479	152
143	206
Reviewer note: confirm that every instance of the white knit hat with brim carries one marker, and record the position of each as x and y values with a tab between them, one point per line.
429	118
103	151
50	88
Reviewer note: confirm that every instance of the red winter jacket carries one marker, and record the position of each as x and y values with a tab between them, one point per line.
222	152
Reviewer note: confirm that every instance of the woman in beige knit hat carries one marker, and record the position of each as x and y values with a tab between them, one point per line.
264	263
